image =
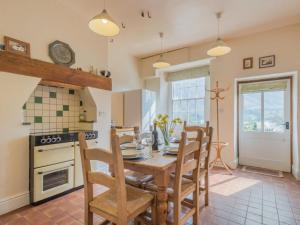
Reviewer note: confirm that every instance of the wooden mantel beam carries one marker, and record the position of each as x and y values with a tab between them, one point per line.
17	64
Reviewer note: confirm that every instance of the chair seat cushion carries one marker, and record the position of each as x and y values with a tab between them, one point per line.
187	186
107	202
137	179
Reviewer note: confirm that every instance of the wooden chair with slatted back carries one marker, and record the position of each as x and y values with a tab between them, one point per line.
188	160
193	129
120	203
131	177
204	164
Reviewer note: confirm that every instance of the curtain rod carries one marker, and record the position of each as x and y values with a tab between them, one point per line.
174	50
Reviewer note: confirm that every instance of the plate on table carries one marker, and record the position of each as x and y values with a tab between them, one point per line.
171	150
132	154
128	145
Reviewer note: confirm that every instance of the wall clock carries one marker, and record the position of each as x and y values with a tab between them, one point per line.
61	53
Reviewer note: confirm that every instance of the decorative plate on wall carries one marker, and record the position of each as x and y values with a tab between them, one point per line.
61	53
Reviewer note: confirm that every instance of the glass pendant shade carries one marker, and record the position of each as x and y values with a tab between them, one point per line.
219	49
104	25
161	63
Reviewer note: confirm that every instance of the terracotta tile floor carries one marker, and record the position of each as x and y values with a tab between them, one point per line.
241	198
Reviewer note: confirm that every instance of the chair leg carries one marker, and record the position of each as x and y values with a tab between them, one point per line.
88	217
196	204
153	213
206	189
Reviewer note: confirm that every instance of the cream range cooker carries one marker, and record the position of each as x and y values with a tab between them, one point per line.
55	164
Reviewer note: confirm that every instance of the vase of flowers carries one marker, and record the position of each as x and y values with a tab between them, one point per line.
166	127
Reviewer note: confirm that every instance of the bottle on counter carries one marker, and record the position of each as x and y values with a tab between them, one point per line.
155	138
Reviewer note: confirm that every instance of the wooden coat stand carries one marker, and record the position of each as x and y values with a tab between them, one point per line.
219	145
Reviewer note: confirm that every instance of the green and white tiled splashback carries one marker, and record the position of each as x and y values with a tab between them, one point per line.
52	109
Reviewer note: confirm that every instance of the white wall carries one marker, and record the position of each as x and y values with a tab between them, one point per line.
42	22
284	43
14	141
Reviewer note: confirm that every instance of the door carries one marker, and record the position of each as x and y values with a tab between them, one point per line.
264	124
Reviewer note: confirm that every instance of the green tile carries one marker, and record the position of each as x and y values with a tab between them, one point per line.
52	94
71	91
65	108
59	113
38	100
65	130
24	106
38	119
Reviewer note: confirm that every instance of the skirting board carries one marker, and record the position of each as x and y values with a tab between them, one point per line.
296	172
13	202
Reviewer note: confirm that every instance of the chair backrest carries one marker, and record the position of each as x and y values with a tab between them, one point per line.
188	160
194	129
114	158
126	137
206	148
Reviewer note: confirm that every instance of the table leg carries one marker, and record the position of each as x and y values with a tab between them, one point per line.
161	181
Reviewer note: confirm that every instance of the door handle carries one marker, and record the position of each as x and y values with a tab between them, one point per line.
287	125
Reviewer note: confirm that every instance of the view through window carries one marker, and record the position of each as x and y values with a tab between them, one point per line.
188	100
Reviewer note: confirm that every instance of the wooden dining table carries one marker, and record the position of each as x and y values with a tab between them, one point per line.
159	165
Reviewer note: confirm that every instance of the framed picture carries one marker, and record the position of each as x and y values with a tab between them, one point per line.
267	61
248	63
17	46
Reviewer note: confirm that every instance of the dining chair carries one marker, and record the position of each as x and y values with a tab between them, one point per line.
193	129
120	203
131	177
188	161
204	164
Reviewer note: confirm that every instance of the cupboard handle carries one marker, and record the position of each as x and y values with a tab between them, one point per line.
40	172
50	149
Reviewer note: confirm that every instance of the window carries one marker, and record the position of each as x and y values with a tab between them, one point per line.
188	100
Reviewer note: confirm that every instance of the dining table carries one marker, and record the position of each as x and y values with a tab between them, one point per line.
160	165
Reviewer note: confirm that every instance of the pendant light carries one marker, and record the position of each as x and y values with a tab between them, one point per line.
220	48
161	63
103	24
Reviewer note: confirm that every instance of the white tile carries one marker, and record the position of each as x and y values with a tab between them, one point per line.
65	101
58	119
46	126
31	99
65	125
30	112
46	107
65	119
46	119
59	107
29	105
38	113
59	125
38	93
45	94
52	119
52	113
38	106
52	89
46	113
39	88
38	126
46	100
59	101
52	125
53	107
53	101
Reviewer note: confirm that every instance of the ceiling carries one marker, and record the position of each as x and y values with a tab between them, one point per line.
186	22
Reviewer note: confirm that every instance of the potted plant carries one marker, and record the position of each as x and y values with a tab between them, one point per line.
167	128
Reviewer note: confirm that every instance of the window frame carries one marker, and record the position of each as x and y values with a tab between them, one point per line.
206	99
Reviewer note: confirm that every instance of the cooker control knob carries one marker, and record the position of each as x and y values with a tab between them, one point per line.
43	140
90	136
54	139
49	139
86	136
58	138
93	135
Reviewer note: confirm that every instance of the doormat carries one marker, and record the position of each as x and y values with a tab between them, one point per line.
262	171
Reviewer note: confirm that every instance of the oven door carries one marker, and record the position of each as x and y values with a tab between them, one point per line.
53	180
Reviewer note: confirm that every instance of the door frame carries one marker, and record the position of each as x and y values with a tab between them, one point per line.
293	76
